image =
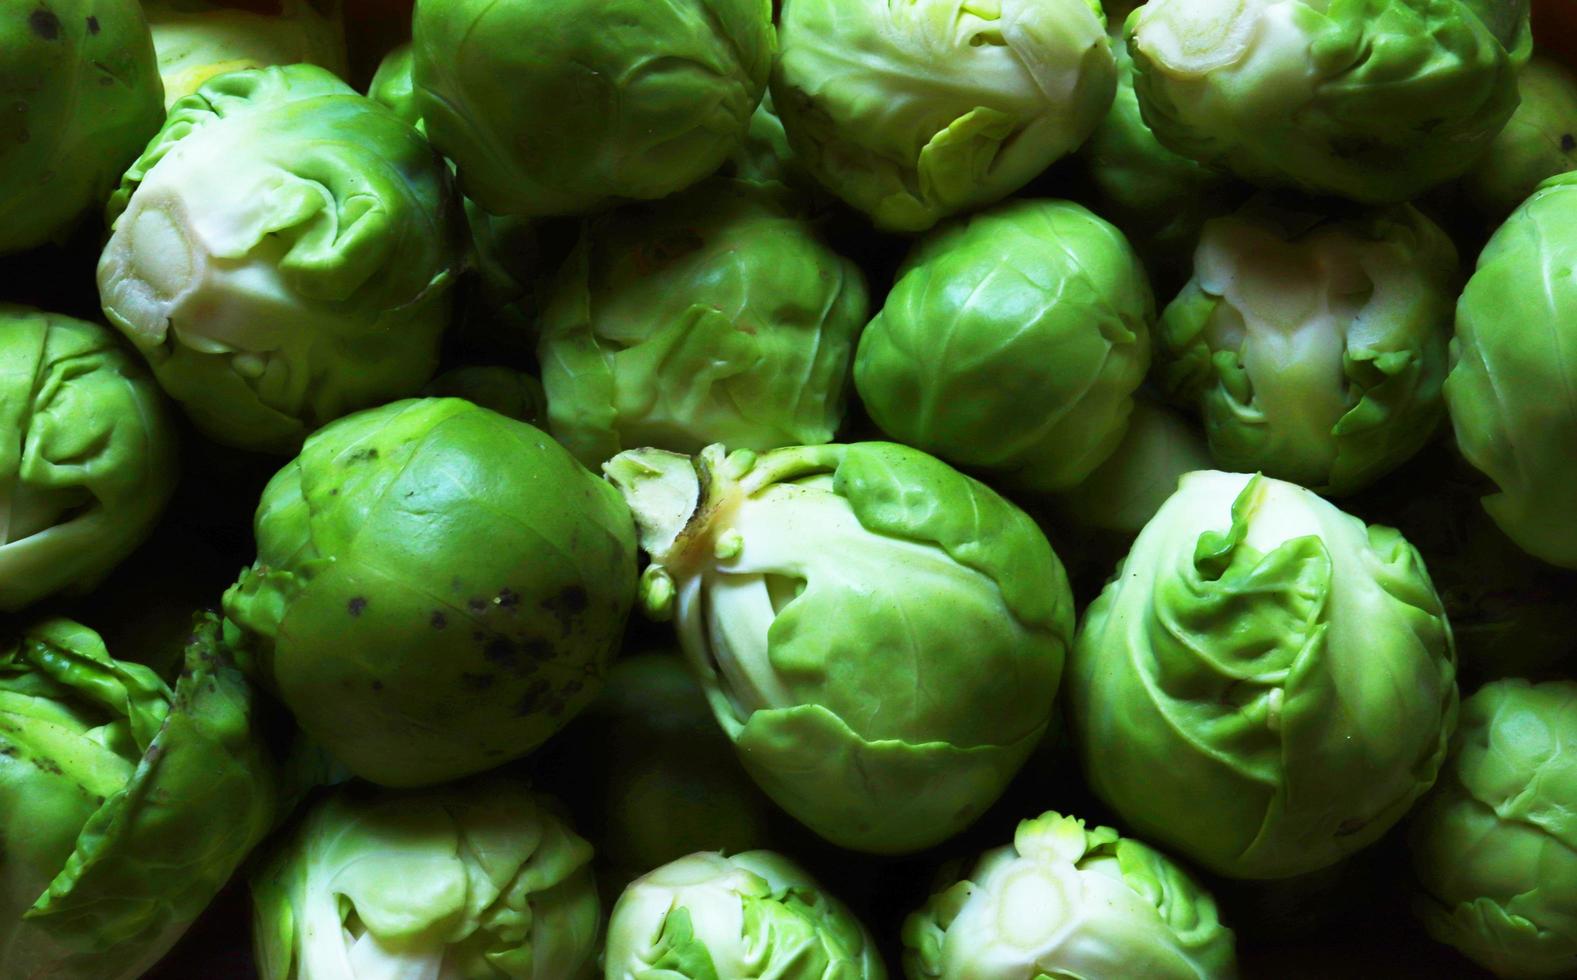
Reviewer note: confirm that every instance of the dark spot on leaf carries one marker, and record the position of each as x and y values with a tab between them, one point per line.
566	605
439	620
1568	142
538	649
501	652
535	698
573	688
93	25
362	455
356	605
45	24
1350	826
477	606
377	685
508	598
477	682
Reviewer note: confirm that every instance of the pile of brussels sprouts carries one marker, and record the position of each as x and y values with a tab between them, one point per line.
800	490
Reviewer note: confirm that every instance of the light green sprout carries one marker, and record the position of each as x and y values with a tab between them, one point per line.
82	98
756	914
128	805
914	111
880	636
1514	366
195	40
282	255
1066	901
1373	100
479	879
1266	684
87	455
1494	846
717	315
1012	341
1314	347
568	106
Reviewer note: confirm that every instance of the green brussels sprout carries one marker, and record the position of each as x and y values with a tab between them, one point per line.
503	390
1013	341
127	805
880	636
196	40
914	111
1123	493
504	249
1539	142
1513	368
1494	846
712	316
1160	199
652	775
87	455
755	914
568	106
282	254
764	156
82	96
1267	683
1372	100
392	86
1315	347
480	879
1064	901
437	590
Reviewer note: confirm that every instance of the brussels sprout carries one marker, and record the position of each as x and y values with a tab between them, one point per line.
1159	199
1266	684
755	914
1013	341
87	455
652	775
713	316
1372	100
914	111
1513	368
480	879
437	590
1539	142
127	805
282	255
1063	901
505	391
392	86
1315	347
568	106
1494	846
82	96
197	39
881	636
1125	491
764	155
